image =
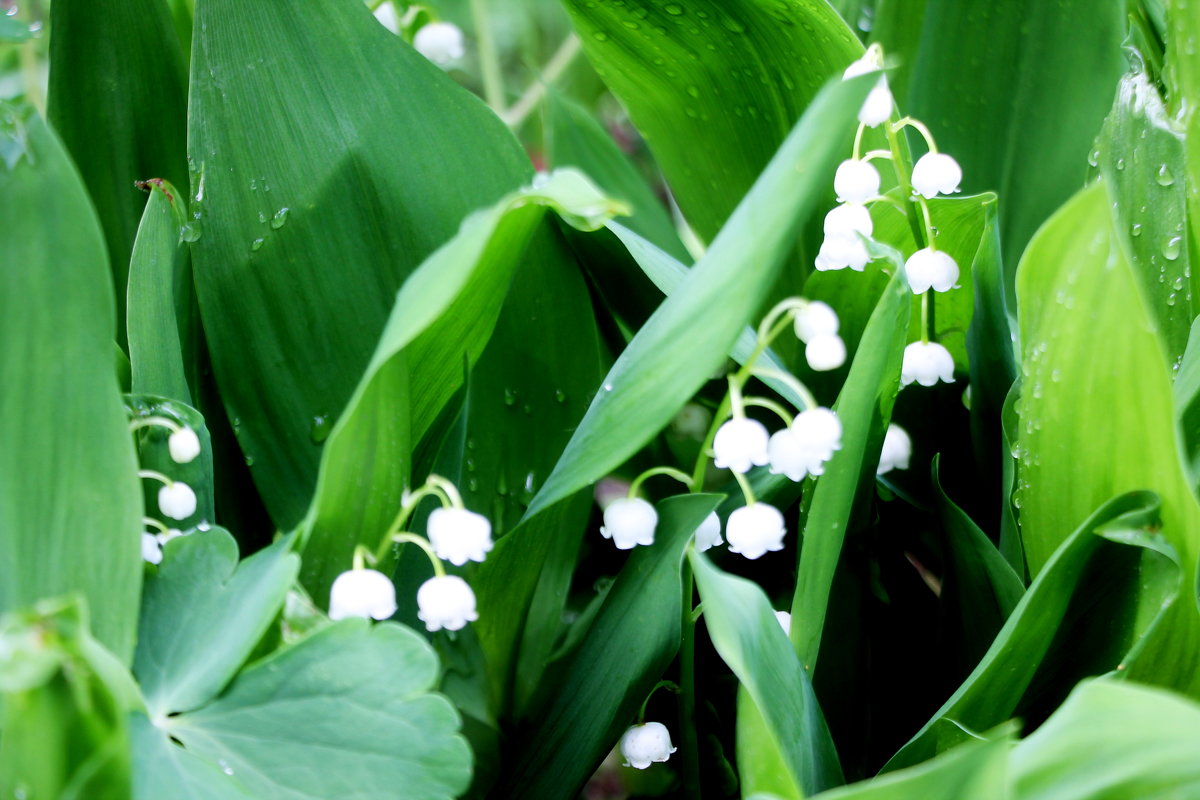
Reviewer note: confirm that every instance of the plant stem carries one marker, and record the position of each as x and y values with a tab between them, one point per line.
555	67
489	59
905	182
689	740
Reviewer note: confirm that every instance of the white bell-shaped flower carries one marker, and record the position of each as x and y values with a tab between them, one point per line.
708	535
926	363
642	745
754	530
785	621
629	521
824	353
897	450
446	602
839	252
849	219
936	173
440	42
458	535
816	319
878	106
151	549
177	500
741	443
804	448
363	593
386	14
856	181
863	66
928	268
184	445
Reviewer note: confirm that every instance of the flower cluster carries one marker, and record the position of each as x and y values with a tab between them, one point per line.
455	534
176	500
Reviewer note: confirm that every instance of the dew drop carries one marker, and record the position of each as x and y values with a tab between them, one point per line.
1136	230
322	424
249	461
256	245
1094	158
1178	283
560	396
11	11
473	484
608	387
510	397
1164	176
1172	247
280	218
732	25
600	36
1120	164
674	9
190	232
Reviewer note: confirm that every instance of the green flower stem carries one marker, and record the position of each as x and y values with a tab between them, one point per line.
770	405
421	542
858	137
746	490
783	377
555	67
689	738
678	475
155	523
156	476
925	316
873	154
433	488
154	422
702	458
919	127
904	179
489	58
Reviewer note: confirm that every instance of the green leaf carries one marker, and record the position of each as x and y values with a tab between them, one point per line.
1112	740
1083	436
159	310
1024	131
13	30
687	338
118	97
727	78
1141	155
344	713
1187	403
1078	618
202	615
749	639
330	160
69	495
864	408
595	695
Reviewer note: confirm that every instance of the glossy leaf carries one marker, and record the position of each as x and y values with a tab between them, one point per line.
119	70
1083	435
748	637
344	713
70	507
688	336
202	615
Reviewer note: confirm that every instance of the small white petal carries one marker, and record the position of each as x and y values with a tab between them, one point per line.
849	219
151	549
785	621
878	106
629	521
856	181
446	602
755	530
897	450
824	353
458	535
740	444
815	319
928	268
643	745
177	500
926	363
386	14
184	445
364	593
440	42
709	533
936	173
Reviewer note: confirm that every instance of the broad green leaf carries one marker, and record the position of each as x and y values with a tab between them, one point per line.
1077	618
1183	79
864	408
727	78
749	639
70	508
443	314
595	695
330	159
118	98
1083	435
202	615
1023	131
1187	403
687	338
63	727
761	766
163	765
1141	155
1112	740
154	454
344	713
976	769
159	310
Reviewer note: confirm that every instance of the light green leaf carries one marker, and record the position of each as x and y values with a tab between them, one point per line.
202	614
70	508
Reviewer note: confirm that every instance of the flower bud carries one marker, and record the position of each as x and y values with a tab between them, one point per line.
151	549
740	444
928	268
458	535
936	173
816	319
629	521
446	602
440	42
878	106
824	353
754	530
926	363
643	745
856	181
184	445
709	533
897	450
177	500
363	593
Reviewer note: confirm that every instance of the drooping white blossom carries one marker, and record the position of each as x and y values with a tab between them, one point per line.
803	448
824	353
446	602
815	319
386	14
936	173
839	252
878	105
177	500
642	745
856	181
363	593
897	450
458	535
629	521
151	549
184	445
741	443
926	363
755	530
849	219
440	42
931	269
708	535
